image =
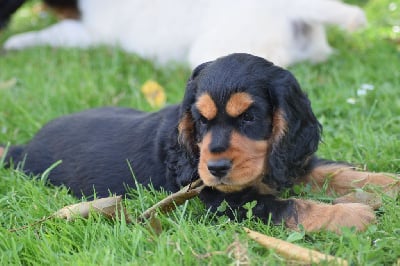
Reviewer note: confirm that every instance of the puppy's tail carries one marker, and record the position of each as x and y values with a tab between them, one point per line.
10	154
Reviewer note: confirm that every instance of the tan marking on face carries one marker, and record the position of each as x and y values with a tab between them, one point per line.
279	125
206	106
315	216
1	151
248	159
238	103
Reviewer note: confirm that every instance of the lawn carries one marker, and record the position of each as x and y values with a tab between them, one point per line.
355	95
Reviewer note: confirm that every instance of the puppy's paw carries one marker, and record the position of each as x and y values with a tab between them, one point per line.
315	216
367	198
356	20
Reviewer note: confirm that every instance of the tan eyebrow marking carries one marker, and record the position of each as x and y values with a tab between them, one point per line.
238	104
206	106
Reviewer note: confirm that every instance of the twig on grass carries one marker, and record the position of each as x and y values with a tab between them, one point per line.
12	230
169	203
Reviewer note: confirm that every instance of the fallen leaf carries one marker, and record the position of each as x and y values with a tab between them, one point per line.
155	225
291	251
8	84
109	207
154	93
239	252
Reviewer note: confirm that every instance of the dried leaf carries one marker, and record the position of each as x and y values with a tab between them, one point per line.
155	225
291	251
239	252
8	84
109	207
154	93
105	206
236	251
169	203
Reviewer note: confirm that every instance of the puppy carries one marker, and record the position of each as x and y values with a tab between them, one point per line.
244	128
284	31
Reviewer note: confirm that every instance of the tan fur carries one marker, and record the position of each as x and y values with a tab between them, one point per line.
315	216
1	151
63	12
342	180
238	103
248	163
371	199
265	189
279	125
206	106
186	130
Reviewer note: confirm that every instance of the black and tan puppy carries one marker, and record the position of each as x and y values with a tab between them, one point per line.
244	127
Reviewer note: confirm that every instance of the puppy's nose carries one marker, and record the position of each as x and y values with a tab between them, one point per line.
219	168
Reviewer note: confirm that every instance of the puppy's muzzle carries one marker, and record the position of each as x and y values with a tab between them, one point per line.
219	168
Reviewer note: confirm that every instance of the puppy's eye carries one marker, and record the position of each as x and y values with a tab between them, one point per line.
248	117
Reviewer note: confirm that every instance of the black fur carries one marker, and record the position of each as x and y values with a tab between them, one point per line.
9	7
100	147
289	157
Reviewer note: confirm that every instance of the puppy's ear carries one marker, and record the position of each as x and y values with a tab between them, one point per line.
186	126
296	131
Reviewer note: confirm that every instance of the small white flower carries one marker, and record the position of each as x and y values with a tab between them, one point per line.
351	101
361	92
367	86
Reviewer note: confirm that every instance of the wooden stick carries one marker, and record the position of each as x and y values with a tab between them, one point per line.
169	203
291	251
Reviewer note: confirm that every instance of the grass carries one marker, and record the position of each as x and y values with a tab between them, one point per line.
39	84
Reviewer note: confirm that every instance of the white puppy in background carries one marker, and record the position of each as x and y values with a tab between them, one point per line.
195	31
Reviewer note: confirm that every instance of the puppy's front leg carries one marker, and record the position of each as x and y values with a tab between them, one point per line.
343	180
313	216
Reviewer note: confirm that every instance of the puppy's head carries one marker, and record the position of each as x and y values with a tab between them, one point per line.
248	122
